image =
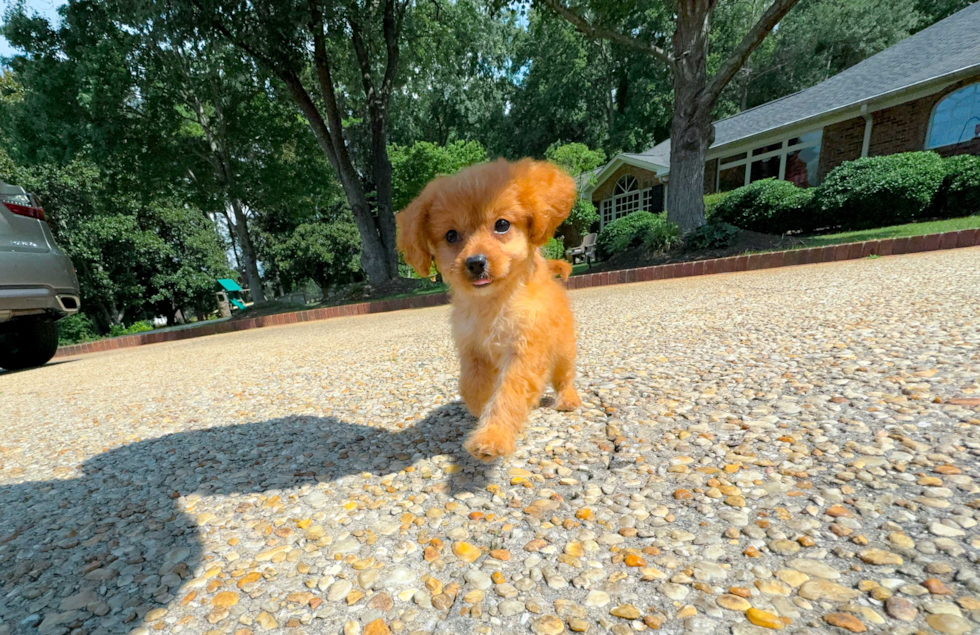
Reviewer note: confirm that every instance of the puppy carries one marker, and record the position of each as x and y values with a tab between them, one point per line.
511	321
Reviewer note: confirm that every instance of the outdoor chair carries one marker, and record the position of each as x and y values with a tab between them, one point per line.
585	251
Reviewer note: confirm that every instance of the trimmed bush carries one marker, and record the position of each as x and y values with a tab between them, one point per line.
651	231
768	206
554	249
137	327
879	191
711	235
711	202
960	192
76	329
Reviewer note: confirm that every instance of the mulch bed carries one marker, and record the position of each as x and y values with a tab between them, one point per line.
745	241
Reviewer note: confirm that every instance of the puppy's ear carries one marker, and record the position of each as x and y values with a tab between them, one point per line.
413	239
548	193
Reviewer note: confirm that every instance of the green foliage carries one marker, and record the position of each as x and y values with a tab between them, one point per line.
769	206
579	161
554	249
816	40
581	89
711	202
960	192
326	252
653	232
712	235
76	329
878	191
581	219
136	327
575	158
415	165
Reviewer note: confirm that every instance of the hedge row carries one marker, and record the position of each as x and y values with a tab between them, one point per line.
869	192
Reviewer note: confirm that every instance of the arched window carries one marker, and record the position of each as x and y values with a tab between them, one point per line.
626	183
956	118
627	197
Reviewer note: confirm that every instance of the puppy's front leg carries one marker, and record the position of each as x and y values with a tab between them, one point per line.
518	389
476	381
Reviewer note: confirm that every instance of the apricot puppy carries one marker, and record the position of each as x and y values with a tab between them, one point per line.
511	321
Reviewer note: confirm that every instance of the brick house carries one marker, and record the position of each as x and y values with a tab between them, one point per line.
921	94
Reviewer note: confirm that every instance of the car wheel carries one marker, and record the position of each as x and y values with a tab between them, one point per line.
27	343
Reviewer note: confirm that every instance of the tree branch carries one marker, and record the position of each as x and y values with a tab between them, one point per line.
590	30
334	121
391	25
745	48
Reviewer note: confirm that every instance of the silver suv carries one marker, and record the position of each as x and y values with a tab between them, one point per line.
38	285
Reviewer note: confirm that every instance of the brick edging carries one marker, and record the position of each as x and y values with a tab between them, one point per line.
732	264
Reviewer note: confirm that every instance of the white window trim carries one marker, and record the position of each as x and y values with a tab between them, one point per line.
613	199
932	117
782	151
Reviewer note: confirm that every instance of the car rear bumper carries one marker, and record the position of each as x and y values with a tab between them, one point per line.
18	302
37	283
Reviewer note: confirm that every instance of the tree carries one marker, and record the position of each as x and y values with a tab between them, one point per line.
816	41
415	165
459	76
335	47
581	89
695	94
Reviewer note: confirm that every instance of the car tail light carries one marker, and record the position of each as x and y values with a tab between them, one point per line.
24	210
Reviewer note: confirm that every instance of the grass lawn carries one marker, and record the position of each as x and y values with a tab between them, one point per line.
895	231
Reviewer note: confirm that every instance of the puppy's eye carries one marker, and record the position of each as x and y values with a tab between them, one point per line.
501	226
451	236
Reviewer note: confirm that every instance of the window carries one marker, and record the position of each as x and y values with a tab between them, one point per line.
626	183
731	178
627	198
956	118
795	160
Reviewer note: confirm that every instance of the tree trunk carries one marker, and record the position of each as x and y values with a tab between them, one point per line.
373	257
691	131
232	238
248	252
381	171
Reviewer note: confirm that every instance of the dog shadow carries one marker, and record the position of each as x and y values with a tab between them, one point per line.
99	551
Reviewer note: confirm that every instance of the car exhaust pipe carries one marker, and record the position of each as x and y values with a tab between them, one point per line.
69	303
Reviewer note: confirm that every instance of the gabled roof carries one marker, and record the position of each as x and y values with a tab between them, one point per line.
947	49
637	160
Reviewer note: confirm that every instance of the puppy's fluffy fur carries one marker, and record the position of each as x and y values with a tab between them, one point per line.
511	321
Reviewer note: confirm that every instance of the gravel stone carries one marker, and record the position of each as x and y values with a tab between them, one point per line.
793	449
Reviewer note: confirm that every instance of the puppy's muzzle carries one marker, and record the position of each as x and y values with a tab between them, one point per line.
476	266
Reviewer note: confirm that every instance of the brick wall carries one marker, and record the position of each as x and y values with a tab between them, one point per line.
645	178
841	142
901	128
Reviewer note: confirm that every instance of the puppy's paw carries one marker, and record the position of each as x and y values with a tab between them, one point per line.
568	400
490	442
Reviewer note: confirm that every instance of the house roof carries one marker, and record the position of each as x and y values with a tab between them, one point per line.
948	47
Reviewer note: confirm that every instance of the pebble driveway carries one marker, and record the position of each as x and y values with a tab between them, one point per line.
793	449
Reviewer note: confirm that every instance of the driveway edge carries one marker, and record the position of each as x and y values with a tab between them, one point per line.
731	264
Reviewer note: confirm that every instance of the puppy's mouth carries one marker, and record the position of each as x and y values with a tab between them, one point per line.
482	281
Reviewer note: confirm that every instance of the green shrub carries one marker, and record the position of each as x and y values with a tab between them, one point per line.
651	231
879	191
554	249
769	206
76	329
712	235
137	327
711	202
960	192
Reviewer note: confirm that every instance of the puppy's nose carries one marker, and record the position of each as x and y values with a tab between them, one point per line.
476	265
